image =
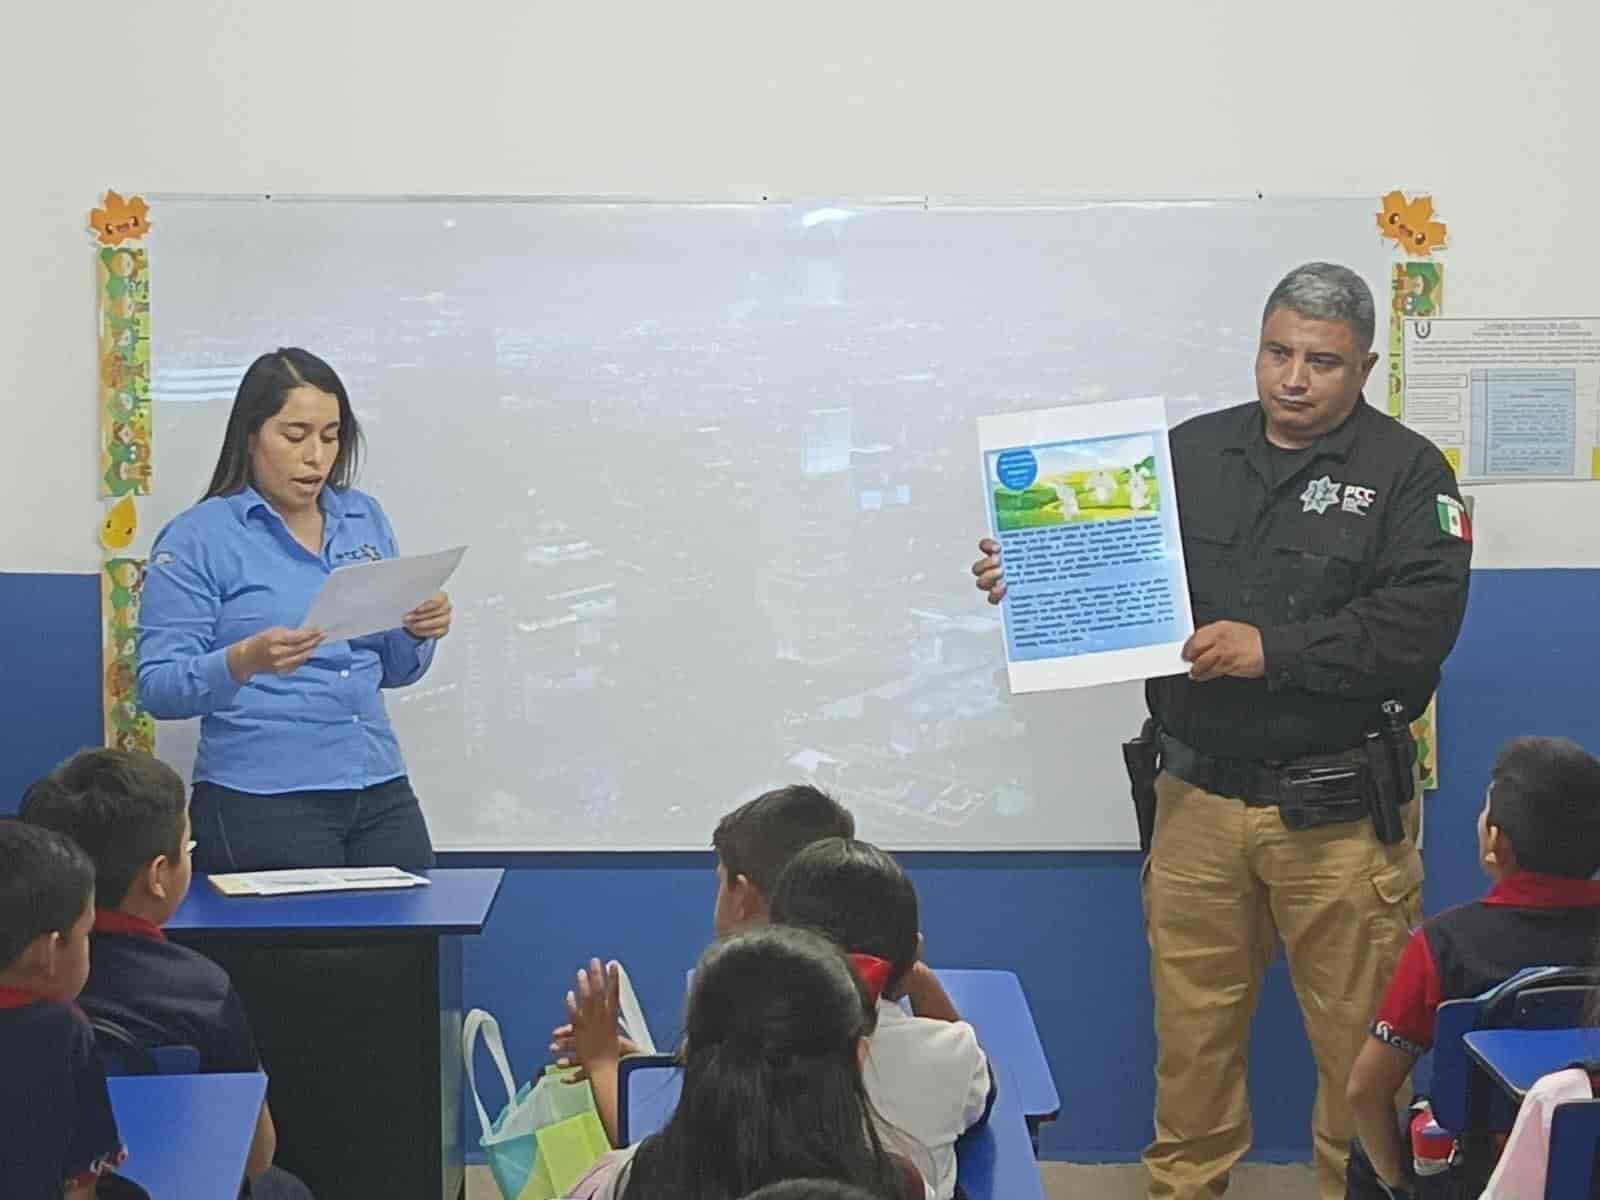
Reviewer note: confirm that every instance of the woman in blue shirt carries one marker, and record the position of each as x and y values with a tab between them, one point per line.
298	765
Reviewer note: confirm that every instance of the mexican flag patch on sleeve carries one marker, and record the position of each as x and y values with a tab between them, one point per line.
1453	518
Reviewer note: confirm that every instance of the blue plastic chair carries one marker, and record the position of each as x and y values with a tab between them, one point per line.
1535	998
648	1086
1574	1141
123	1054
1465	1101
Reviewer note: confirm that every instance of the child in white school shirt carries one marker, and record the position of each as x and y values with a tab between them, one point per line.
754	843
927	1078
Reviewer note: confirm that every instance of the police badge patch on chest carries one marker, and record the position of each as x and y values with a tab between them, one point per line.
1319	496
1322	494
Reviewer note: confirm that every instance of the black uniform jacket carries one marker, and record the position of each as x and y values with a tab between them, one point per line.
1352	558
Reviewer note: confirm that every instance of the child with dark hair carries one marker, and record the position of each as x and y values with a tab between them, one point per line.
809	1189
1539	841
928	1079
772	1086
757	840
130	813
754	843
57	1132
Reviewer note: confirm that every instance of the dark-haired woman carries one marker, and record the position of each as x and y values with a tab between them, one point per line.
298	765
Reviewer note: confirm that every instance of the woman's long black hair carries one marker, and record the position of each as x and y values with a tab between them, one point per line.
260	397
771	1082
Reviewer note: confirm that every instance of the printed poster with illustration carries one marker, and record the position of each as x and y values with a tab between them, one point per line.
1082	503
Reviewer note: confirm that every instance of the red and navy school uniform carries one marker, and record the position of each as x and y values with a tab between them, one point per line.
165	994
56	1125
1525	920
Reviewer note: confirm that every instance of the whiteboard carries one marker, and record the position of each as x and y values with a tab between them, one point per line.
716	464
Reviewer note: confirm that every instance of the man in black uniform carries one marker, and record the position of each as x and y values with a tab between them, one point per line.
1328	554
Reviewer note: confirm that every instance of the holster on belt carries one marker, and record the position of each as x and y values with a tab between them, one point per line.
1391	754
1142	757
1308	792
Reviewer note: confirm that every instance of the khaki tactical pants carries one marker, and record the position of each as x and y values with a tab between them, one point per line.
1223	884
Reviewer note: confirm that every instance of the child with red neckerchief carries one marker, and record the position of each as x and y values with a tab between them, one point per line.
927	1077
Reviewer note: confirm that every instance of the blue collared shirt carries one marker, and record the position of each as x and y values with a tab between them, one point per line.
228	568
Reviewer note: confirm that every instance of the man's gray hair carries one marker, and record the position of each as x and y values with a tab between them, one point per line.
1327	292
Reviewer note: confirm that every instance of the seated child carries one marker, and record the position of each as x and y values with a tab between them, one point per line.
57	1132
1539	841
927	1077
753	843
772	1087
130	813
810	1189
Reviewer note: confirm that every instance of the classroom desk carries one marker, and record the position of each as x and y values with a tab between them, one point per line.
997	1161
1516	1058
994	1004
188	1136
355	999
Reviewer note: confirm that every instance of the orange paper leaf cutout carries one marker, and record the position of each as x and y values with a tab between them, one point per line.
1411	223
120	219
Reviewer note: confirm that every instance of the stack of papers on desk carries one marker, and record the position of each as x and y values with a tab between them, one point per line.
319	879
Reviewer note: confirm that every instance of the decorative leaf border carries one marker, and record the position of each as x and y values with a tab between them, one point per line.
122	297
1416	289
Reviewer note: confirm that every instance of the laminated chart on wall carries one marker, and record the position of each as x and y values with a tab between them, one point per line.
1508	400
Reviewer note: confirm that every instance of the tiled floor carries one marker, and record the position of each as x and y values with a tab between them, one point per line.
1253	1181
1073	1181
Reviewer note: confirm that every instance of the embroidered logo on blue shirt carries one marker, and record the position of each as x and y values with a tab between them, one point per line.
362	553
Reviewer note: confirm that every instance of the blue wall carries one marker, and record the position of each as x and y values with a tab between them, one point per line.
50	668
1068	923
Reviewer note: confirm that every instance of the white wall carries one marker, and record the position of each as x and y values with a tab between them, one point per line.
1492	106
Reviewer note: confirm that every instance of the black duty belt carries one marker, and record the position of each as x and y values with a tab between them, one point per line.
1319	789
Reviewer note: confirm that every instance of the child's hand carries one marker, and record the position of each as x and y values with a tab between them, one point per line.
927	995
592	1012
561	1045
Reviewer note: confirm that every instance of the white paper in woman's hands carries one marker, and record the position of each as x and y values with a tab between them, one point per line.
374	597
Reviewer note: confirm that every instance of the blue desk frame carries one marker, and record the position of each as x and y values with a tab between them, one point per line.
355	999
1517	1058
994	1003
188	1136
